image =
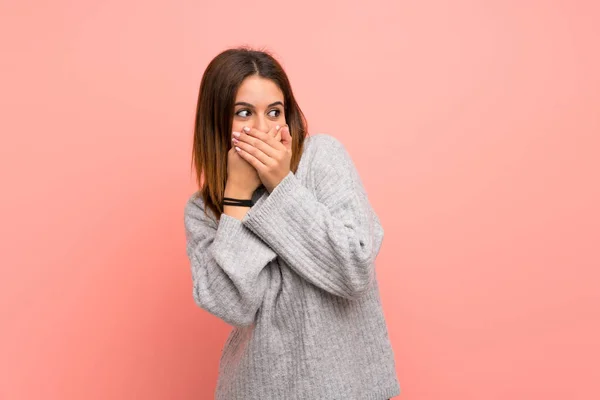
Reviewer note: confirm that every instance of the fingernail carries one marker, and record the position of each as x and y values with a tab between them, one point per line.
277	127
235	141
237	148
247	129
236	134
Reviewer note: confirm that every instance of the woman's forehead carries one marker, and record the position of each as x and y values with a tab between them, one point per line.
258	91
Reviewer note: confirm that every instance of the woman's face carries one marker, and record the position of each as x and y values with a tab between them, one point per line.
258	104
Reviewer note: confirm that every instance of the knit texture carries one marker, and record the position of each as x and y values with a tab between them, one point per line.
296	280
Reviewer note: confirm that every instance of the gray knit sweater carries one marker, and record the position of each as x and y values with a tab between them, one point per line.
296	279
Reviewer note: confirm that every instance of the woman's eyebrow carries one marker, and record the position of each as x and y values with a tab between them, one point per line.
243	103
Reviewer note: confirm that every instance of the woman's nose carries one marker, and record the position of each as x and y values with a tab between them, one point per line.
261	124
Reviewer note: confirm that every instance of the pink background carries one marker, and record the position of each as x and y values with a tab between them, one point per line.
474	124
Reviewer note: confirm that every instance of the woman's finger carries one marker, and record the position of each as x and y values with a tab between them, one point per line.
264	137
258	166
278	134
258	139
255	147
274	131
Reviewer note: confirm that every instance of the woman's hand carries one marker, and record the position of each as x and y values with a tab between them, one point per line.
242	178
270	157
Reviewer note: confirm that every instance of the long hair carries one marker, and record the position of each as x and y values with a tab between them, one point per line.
214	117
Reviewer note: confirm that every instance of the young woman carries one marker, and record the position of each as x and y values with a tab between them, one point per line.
282	242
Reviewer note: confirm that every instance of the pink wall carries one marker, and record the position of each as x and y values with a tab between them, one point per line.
475	126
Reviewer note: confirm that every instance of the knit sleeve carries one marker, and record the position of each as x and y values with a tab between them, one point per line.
228	265
330	237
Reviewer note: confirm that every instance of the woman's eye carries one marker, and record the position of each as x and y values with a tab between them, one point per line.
246	113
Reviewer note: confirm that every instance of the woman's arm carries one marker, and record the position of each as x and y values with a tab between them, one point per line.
228	265
332	237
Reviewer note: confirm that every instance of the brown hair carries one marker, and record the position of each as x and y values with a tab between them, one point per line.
214	117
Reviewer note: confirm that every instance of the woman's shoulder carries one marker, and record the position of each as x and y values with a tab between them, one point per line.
193	204
321	138
330	159
194	209
323	145
327	149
